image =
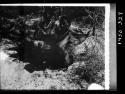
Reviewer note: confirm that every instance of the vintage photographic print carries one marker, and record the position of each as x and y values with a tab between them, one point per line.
54	46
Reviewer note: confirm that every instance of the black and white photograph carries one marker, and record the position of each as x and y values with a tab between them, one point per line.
54	46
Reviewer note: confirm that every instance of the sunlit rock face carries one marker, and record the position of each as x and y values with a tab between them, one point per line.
3	56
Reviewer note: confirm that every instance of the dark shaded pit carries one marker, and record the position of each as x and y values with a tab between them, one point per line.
42	58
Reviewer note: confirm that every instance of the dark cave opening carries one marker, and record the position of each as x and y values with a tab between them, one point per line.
42	58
